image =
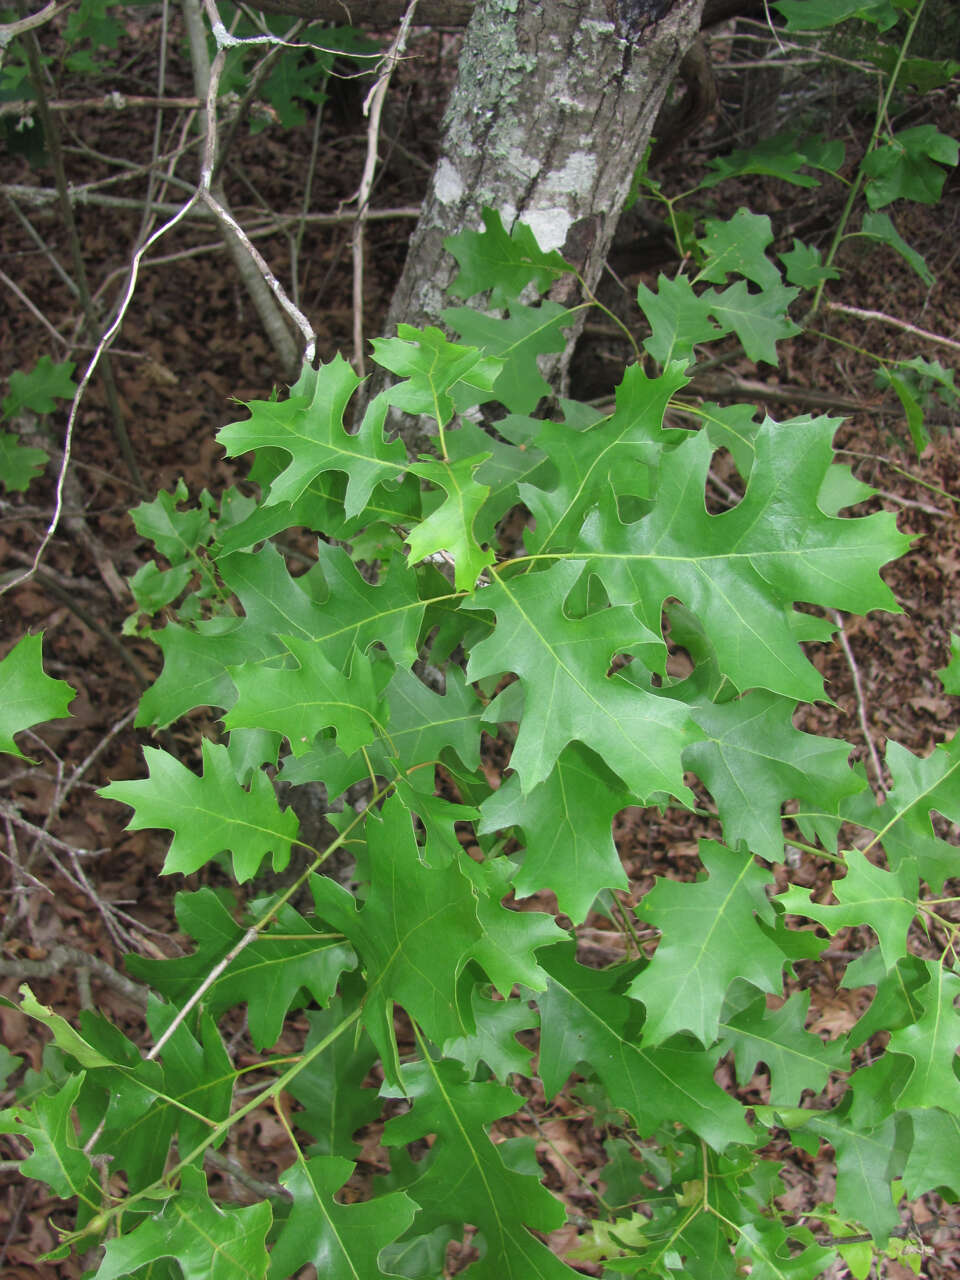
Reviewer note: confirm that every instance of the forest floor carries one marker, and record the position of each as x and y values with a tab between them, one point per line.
191	345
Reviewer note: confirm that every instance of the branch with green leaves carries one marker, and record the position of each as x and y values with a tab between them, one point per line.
560	646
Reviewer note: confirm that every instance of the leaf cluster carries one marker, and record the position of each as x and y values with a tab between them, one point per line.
356	620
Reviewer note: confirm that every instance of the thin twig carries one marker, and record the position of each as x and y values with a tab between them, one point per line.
912	503
10	30
107	102
63	957
102	743
373	109
276	288
34	311
51	130
39	241
880	790
40	834
882	316
257	78
204	987
226	1164
103	344
89	195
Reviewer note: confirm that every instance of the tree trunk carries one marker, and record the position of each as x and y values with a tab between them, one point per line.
553	108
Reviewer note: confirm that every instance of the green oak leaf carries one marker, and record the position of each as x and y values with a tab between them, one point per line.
299	702
924	74
495	1039
908	166
425	725
19	463
354	613
65	1037
440	377
9	1063
782	156
759	320
152	588
467	1179
878	226
176	534
812	15
868	1160
419	1255
562	664
48	1126
795	1058
902	824
741	571
320	508
584	1018
934	1159
753	760
342	1241
620	451
885	900
896	1002
28	696
508	464
679	319
450	526
932	1042
210	814
763	1245
414	934
330	604
208	1242
949	676
195	662
566	822
491	260
133	1109
309	427
709	939
804	265
333	1103
41	388
266	975
738	246
197	1070
515	340
733	427
509	939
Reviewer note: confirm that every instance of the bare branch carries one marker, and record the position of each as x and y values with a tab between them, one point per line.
880	789
103	345
106	102
10	30
373	109
883	318
63	957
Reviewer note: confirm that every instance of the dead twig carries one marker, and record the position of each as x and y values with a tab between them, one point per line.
896	323
880	790
63	957
10	30
372	109
106	102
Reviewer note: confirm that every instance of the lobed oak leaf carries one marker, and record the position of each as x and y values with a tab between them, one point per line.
562	664
210	814
710	939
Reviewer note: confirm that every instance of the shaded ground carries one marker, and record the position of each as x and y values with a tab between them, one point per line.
190	343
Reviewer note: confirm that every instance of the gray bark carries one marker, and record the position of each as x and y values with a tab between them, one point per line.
554	105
